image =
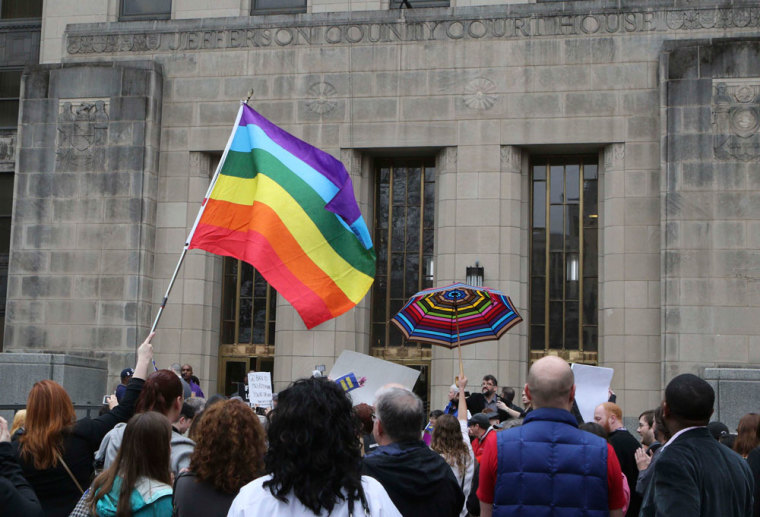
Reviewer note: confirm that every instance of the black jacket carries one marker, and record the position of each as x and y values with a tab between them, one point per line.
195	497
17	497
56	490
696	476
625	446
419	482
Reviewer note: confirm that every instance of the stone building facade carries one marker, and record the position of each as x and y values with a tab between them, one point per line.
656	107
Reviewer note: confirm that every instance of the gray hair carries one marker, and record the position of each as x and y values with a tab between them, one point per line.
401	412
176	368
454	388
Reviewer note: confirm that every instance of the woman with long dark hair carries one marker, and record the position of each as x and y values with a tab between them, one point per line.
56	450
138	482
452	441
313	463
163	394
747	437
229	453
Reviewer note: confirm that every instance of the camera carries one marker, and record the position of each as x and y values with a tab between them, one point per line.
105	399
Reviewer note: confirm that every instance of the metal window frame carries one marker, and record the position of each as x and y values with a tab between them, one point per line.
399	352
17	98
581	355
158	15
420	4
277	10
267	347
14	19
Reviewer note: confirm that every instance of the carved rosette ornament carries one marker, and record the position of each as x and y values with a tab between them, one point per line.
736	119
321	101
480	94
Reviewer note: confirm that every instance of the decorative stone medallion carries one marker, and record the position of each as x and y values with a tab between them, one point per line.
736	119
321	101
479	94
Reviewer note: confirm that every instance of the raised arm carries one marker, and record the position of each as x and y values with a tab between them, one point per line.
462	408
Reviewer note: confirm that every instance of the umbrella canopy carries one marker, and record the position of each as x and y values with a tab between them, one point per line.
456	314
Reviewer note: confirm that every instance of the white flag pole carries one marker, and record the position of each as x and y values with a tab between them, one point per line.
200	213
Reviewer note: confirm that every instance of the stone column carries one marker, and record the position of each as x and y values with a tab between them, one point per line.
711	213
80	277
189	328
629	290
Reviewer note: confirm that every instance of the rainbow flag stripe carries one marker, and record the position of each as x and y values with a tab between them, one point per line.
289	210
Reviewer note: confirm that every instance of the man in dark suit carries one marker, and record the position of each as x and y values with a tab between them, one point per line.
695	475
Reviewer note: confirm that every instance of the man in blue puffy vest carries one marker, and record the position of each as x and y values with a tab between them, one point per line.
548	466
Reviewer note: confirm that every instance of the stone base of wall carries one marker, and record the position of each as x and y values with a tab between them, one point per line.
737	392
83	378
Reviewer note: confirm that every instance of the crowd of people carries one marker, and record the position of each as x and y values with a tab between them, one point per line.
163	450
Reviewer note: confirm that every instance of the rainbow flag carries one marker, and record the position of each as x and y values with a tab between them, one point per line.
289	210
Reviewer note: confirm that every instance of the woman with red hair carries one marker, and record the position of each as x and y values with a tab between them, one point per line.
747	434
56	451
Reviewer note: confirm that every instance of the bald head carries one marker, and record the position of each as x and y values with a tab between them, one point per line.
551	383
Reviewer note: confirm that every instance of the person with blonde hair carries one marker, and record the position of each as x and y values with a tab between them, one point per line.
17	428
452	441
56	451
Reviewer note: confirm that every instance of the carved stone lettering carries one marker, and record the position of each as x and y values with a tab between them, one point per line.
736	119
357	33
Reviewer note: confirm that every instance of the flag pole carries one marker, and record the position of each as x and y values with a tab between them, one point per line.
200	213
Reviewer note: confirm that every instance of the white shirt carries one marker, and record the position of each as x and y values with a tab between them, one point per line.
466	484
254	500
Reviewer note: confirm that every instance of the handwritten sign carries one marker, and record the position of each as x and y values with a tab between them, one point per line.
260	389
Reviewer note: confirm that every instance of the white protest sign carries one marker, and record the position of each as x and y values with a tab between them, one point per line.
362	375
259	389
592	384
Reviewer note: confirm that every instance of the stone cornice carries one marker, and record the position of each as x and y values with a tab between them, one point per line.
390	27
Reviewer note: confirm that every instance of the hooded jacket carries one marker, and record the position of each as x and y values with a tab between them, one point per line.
150	498
419	482
182	449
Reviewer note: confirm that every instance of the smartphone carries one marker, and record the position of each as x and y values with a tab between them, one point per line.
105	399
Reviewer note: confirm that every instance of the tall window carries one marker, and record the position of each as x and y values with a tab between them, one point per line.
396	4
20	9
563	258
145	10
249	306
404	231
10	88
6	205
278	6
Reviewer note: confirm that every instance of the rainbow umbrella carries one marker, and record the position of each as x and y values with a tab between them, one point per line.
455	315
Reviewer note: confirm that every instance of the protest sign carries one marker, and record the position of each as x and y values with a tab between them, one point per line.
260	389
362	375
592	384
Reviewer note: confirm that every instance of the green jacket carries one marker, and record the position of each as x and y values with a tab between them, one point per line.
149	498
